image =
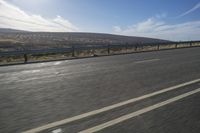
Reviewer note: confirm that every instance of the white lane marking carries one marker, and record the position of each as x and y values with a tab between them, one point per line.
145	61
139	112
31	71
57	63
104	109
57	131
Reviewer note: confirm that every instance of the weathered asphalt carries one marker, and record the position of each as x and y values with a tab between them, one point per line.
34	95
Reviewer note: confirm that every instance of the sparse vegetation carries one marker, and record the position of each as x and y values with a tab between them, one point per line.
114	44
46	40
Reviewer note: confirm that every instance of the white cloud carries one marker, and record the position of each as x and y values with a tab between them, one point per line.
156	28
162	15
13	17
197	6
117	28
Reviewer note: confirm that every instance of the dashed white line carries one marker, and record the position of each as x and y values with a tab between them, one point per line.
57	131
137	113
95	112
145	61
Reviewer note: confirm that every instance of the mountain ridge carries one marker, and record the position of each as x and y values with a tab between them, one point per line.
43	40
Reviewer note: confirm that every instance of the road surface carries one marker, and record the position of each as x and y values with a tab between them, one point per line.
149	92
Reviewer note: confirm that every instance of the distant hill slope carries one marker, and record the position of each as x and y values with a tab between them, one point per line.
16	39
7	30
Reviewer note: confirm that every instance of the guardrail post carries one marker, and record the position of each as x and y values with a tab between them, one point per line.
158	47
25	58
108	49
126	47
190	44
136	47
176	45
73	51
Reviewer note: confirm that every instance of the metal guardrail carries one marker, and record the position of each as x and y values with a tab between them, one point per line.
74	49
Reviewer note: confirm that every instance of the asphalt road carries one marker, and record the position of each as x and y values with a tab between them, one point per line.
148	92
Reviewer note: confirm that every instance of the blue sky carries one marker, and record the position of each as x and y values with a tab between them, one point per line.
165	19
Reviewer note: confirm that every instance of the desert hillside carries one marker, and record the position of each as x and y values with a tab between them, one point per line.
17	40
